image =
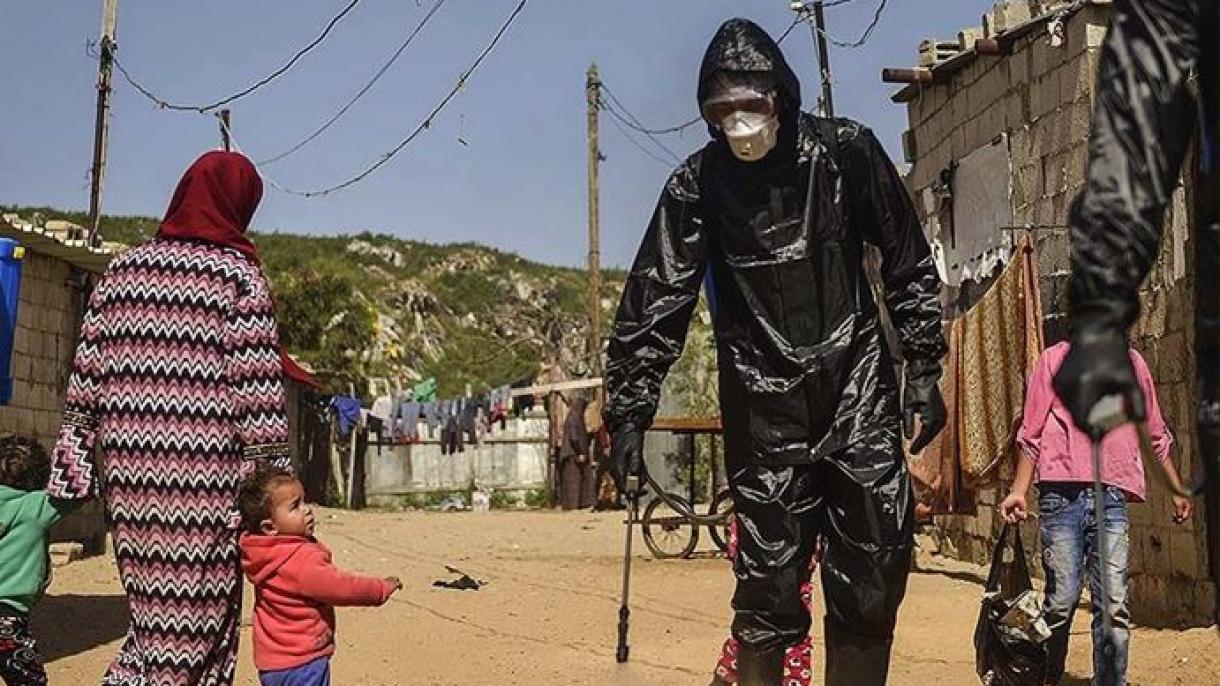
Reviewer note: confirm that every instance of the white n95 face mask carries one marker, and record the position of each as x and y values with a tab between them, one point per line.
751	135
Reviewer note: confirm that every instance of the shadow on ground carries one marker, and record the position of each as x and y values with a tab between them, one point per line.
70	624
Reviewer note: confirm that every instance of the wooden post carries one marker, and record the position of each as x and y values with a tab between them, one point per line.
336	469
351	468
593	95
226	135
101	122
351	456
819	18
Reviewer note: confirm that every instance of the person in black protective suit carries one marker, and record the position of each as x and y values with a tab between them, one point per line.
778	206
1143	124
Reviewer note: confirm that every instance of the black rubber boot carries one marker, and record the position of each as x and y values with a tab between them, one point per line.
760	668
853	659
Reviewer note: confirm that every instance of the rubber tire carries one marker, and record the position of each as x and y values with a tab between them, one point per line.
647	526
720	536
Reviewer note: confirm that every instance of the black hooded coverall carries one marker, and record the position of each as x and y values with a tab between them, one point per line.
808	392
1143	125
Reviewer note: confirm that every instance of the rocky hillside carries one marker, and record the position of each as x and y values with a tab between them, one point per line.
368	305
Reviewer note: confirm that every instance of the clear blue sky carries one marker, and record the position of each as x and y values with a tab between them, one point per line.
519	185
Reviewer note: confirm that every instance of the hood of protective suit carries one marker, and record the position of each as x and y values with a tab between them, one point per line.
740	45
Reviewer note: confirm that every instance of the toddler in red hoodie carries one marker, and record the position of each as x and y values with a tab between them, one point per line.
296	587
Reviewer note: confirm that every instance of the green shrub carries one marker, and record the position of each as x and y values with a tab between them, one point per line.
539	499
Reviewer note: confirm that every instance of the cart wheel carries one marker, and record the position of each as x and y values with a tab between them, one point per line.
722	505
667	533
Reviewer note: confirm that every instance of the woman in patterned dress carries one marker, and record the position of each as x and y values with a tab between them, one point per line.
178	381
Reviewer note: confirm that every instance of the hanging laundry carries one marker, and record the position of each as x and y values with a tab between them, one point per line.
410	421
431	412
383	407
480	426
347	410
451	434
425	391
469	411
992	352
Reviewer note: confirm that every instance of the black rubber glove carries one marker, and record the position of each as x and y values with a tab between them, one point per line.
1098	365
922	397
627	457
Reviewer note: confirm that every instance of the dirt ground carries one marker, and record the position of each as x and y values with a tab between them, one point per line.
548	614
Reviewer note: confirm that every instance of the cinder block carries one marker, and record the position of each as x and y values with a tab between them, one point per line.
46	425
1006	15
989	90
1027	184
1045	212
1076	166
959	106
958	146
1076	79
21	418
966	38
1045	58
940	97
1020	146
21	339
993	121
22	367
1056	172
1018	69
973	134
1016	109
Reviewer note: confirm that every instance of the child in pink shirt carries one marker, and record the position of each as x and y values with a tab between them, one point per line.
1060	455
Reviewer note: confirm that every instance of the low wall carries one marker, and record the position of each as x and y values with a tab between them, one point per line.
511	460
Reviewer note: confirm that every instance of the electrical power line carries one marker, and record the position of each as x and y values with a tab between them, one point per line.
642	148
359	94
618	110
165	104
626	118
423	126
788	30
864	38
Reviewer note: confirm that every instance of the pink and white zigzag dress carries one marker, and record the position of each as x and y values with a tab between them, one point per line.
178	385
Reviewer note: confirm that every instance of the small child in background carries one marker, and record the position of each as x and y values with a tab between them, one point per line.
296	586
26	516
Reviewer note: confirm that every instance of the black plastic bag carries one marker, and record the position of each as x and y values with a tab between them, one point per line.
1005	656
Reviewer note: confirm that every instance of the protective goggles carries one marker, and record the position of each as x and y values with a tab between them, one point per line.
719	107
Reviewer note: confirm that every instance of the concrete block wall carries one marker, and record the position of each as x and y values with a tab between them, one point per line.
1042	96
44	343
514	460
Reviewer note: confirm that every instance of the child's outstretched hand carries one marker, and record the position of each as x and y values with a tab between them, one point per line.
395	582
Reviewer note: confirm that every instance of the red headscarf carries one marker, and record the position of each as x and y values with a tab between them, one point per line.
214	202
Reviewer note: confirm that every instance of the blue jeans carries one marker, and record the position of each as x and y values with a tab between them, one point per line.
1069	540
316	673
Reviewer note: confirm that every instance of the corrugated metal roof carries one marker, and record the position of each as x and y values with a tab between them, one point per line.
61	240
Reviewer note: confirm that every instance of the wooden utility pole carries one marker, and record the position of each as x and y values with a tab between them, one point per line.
226	137
101	125
593	94
814	15
819	34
